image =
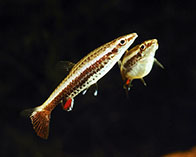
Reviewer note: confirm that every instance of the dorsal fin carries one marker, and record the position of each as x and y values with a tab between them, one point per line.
66	66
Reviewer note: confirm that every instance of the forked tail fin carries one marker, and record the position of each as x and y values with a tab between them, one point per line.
40	119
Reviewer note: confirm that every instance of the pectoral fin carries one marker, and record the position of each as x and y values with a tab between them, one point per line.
158	63
68	105
119	63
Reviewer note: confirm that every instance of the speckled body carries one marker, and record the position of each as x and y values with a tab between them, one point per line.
89	70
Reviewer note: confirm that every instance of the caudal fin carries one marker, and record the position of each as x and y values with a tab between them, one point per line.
40	120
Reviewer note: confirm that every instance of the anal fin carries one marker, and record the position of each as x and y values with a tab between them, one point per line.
84	91
95	89
95	86
127	86
143	81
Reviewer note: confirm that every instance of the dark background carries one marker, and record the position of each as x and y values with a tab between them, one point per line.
155	120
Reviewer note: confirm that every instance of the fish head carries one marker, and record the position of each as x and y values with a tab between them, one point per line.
140	52
124	42
117	47
148	48
138	61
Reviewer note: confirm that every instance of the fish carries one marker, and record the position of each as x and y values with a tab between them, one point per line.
138	62
83	74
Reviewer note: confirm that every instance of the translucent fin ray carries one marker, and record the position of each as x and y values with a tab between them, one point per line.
40	121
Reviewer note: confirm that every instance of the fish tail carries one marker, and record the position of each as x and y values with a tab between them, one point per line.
40	118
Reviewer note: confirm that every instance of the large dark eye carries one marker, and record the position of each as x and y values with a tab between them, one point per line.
142	47
123	42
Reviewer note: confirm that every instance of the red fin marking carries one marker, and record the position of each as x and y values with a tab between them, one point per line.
127	82
68	104
40	121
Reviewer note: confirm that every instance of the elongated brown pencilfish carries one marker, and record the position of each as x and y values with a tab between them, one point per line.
138	62
84	74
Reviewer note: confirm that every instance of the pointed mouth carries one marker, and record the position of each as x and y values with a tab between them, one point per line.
154	41
132	36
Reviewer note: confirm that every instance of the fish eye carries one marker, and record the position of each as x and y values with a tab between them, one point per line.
123	42
142	47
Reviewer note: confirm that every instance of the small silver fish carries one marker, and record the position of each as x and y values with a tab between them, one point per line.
138	62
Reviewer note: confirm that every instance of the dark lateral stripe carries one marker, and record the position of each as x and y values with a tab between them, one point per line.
83	77
133	60
128	65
